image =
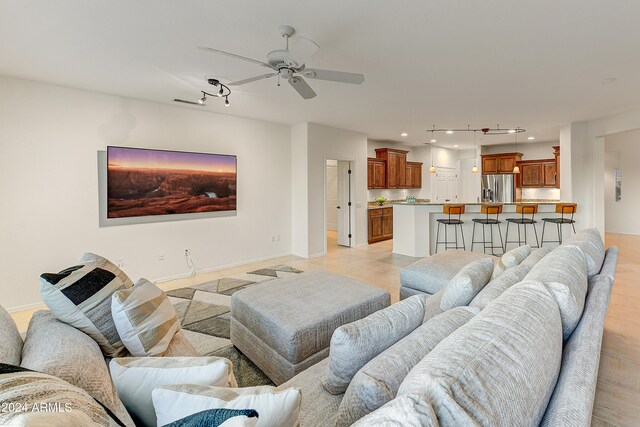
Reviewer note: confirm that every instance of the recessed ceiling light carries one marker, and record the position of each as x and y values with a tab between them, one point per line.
511	131
531	137
433	140
404	134
455	146
449	132
608	81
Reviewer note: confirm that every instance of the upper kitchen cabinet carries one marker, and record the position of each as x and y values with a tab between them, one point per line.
397	171
549	173
376	173
502	163
556	154
537	173
396	161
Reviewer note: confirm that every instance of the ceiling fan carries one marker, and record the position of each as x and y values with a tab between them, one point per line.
289	64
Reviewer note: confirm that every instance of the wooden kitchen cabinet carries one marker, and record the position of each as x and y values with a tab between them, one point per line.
530	174
556	154
549	173
413	175
502	163
396	165
376	173
380	224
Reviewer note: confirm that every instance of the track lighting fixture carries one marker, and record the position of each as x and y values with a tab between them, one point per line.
224	92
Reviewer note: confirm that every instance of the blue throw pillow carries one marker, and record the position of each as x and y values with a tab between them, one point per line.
212	417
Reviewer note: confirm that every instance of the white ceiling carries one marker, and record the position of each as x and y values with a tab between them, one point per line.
534	64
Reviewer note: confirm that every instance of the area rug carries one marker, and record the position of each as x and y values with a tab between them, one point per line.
204	311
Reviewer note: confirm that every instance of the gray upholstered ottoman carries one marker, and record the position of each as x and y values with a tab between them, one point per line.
284	326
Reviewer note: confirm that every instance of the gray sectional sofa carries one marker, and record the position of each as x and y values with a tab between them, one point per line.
524	352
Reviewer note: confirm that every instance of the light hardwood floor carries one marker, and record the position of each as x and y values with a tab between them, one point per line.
617	401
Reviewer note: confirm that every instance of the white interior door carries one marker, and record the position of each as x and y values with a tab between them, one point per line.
332	196
446	186
344	203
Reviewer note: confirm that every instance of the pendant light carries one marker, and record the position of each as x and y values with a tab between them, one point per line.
475	154
516	169
432	169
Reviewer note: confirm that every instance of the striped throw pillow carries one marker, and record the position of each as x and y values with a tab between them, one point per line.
80	296
511	259
144	318
31	398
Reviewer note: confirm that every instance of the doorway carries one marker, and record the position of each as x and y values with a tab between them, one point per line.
338	206
446	185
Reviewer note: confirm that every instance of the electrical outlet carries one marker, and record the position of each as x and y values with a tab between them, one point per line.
161	256
187	252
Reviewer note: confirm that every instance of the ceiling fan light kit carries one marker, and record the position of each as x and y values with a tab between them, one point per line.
289	64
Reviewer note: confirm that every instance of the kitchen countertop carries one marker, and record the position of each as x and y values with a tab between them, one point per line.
540	202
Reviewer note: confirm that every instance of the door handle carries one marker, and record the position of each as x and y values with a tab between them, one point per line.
337	207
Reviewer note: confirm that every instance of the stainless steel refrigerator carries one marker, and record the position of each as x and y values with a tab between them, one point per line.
498	188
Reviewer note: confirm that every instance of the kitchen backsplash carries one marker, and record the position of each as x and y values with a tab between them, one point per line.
541	193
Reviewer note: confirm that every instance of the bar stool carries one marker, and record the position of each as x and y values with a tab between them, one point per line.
454	213
488	209
523	209
564	209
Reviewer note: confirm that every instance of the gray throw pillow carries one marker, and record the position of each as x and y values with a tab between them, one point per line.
511	259
564	272
80	296
354	344
500	368
378	381
466	284
11	347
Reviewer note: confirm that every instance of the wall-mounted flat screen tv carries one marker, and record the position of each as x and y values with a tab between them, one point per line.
142	182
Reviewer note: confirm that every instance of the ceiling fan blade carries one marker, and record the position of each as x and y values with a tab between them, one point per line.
252	79
233	55
333	76
302	87
301	51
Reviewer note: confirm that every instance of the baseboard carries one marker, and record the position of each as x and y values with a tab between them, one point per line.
318	255
26	307
221	267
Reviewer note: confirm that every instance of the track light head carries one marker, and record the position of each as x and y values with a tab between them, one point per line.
221	91
226	101
202	100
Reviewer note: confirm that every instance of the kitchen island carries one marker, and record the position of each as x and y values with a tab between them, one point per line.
415	226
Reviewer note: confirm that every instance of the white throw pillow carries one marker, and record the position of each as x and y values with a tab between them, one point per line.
136	377
145	319
276	408
465	285
511	259
80	296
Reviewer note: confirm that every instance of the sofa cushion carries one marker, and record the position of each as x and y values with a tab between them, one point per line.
431	274
57	349
497	286
610	262
564	272
404	411
145	319
275	407
378	381
511	259
136	377
11	348
572	399
466	284
354	344
590	243
498	369
81	297
432	306
24	392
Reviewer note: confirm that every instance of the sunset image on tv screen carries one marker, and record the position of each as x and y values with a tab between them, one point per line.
143	182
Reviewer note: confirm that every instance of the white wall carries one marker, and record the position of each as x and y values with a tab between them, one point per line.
49	139
622	151
300	190
324	143
530	150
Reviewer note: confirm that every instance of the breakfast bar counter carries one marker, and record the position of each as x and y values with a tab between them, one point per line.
415	225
